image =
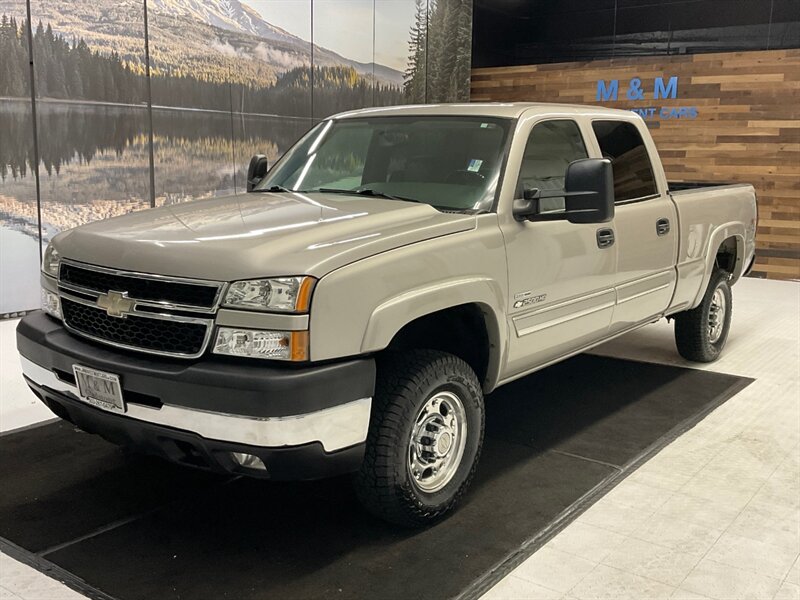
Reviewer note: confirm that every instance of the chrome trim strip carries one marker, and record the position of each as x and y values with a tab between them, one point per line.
639	280
644	293
220	285
77	289
581	313
151	303
143	314
565	303
335	428
209	323
520	318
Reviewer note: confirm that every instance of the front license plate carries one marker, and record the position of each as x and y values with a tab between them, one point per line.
99	388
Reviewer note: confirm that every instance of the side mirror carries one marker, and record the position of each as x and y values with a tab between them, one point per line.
527	207
588	195
256	171
589	191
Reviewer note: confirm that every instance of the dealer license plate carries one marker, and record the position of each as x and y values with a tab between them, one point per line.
99	388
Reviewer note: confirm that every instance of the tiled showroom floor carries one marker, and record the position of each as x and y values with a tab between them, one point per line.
716	514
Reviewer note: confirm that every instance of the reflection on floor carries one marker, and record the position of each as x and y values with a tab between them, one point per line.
716	514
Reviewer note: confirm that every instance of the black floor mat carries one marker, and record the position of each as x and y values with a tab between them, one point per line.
135	527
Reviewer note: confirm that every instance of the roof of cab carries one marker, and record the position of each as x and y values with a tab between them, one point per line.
485	109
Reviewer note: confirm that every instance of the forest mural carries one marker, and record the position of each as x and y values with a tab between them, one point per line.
210	83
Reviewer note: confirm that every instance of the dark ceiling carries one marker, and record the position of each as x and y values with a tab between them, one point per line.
517	32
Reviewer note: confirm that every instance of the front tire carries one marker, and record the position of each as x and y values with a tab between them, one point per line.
701	333
425	437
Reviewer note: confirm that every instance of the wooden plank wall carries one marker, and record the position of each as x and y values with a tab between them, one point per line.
747	127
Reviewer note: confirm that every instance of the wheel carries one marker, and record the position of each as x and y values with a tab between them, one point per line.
425	437
701	333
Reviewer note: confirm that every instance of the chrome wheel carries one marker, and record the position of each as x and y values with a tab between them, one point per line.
716	316
438	438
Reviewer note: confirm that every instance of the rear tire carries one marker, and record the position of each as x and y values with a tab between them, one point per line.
701	333
425	437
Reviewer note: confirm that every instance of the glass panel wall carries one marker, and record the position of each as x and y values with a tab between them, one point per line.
193	87
19	223
91	112
343	64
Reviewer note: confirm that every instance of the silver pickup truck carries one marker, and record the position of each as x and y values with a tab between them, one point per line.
350	312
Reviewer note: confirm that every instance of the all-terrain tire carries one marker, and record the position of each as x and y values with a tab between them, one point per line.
407	383
695	333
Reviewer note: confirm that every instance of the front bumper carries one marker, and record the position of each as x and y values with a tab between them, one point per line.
303	422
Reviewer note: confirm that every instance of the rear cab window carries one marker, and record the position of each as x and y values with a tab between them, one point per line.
621	142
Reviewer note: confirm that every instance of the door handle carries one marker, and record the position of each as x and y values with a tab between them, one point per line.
605	238
662	226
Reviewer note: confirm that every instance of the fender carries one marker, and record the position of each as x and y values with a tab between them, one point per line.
392	315
719	235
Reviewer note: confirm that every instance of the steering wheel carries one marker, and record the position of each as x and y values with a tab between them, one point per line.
465	177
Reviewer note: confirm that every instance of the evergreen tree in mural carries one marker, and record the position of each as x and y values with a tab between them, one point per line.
439	57
14	53
71	70
415	75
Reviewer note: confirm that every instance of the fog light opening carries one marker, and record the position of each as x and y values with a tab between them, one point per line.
248	461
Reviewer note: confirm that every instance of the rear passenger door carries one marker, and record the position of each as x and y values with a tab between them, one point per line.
646	226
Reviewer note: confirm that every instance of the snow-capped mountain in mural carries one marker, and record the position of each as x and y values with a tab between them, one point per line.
232	15
209	39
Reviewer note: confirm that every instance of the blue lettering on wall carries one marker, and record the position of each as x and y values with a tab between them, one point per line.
679	112
635	91
668	91
645	113
609	92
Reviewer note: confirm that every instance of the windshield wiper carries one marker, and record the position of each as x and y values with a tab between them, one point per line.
373	194
274	189
367	192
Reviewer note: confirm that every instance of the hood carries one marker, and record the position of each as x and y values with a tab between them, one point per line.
257	235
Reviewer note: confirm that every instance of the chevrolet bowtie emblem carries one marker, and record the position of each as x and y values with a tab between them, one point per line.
116	304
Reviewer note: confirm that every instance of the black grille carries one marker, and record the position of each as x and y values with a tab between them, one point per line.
140	288
140	332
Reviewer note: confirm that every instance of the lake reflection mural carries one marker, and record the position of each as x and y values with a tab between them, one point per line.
228	78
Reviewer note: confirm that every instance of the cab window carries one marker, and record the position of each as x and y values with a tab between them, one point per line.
621	142
552	145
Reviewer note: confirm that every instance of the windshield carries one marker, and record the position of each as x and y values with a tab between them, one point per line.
451	163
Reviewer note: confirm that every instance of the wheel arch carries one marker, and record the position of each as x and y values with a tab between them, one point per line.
726	250
462	318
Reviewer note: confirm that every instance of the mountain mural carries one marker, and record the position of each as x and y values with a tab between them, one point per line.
210	40
225	83
225	14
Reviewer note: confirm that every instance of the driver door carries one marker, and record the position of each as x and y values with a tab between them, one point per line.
561	281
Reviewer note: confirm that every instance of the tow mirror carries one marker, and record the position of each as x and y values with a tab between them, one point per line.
256	171
588	195
589	191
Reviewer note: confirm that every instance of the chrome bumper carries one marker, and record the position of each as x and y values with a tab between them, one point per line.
335	428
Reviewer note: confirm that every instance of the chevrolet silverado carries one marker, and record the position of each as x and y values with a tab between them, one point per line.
349	313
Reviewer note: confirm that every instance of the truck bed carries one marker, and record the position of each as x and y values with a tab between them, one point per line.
683	186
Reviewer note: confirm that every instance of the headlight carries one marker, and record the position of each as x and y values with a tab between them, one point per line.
258	343
50	261
286	294
51	304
